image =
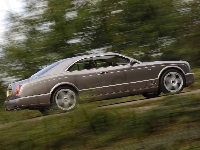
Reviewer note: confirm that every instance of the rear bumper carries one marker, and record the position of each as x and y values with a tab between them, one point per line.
28	102
189	79
11	105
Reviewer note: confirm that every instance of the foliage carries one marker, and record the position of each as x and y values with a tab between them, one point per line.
186	46
171	124
50	30
2	93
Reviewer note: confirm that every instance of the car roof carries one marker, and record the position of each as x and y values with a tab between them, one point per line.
93	55
76	58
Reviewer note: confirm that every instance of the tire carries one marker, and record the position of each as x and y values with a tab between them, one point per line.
152	94
62	99
172	81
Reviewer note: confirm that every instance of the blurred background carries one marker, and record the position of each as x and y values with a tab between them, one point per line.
36	33
39	32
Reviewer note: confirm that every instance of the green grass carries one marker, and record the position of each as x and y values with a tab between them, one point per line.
173	124
12	116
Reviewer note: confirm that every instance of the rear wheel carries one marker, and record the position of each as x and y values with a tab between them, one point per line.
63	99
172	81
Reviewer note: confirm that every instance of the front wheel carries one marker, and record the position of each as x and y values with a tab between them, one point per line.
172	81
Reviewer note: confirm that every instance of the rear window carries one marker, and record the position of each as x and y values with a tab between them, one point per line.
44	70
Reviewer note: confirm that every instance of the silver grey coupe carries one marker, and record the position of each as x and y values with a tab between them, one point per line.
104	76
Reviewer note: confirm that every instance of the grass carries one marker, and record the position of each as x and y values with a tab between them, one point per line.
173	124
12	116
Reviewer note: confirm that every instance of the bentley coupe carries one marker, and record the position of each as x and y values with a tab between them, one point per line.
104	76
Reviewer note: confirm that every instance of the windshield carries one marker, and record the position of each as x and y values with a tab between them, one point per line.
44	70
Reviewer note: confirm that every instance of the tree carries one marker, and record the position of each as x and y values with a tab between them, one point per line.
2	92
40	37
50	30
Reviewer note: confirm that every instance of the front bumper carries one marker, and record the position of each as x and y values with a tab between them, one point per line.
189	79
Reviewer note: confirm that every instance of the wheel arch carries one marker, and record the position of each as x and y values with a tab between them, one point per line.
64	84
169	68
59	85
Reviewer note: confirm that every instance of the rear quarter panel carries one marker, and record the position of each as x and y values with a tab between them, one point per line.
47	84
41	85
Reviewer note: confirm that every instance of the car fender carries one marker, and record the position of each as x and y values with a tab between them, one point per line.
63	83
168	67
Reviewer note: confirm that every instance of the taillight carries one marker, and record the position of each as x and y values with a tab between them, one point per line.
17	91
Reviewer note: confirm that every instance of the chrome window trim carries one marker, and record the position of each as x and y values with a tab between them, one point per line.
66	70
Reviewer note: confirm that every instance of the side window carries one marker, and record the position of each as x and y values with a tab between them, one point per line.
74	67
82	65
99	62
111	61
118	60
102	63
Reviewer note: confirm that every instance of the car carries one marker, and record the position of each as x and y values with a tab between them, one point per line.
103	76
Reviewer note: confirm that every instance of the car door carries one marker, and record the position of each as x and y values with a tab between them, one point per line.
136	75
117	77
83	75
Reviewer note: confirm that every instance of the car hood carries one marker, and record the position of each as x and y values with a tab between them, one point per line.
165	62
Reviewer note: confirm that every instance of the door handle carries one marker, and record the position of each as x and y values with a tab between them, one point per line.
103	72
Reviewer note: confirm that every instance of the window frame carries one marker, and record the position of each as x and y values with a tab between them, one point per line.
92	58
76	63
